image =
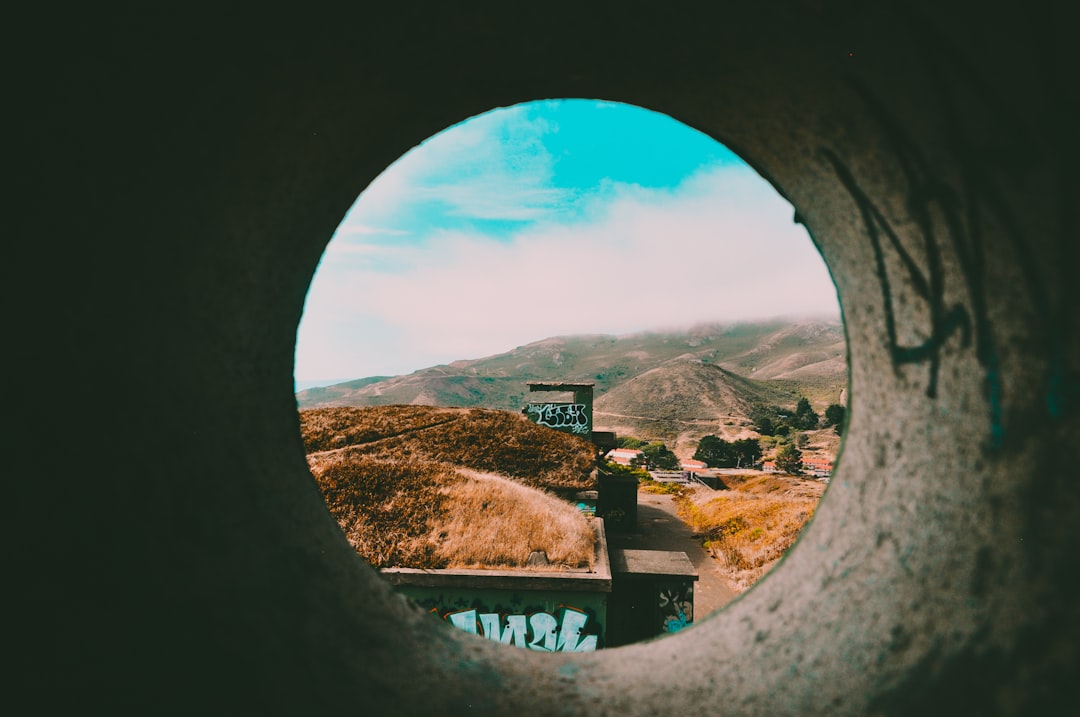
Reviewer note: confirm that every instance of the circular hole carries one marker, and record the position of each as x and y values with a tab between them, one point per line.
644	297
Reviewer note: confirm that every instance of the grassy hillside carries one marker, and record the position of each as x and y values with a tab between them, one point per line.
670	386
750	526
810	353
688	389
683	400
422	487
478	439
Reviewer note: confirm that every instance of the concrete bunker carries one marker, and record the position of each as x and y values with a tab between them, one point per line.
575	416
544	611
932	168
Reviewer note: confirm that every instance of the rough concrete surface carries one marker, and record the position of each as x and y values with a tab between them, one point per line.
178	174
660	528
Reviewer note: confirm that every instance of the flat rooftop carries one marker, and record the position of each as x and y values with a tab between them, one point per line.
652	563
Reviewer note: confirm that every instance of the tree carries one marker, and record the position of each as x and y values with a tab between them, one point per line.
718	453
764	418
715	452
660	456
834	416
747	451
805	418
789	460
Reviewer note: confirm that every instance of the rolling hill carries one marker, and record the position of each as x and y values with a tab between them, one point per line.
426	487
675	385
684	399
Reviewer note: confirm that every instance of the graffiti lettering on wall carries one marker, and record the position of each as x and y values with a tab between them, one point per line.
676	607
949	217
540	631
561	415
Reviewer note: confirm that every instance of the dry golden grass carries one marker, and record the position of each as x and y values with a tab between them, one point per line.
402	483
749	527
775	484
495	522
433	515
325	429
385	507
480	439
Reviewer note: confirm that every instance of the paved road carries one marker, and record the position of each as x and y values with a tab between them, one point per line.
659	528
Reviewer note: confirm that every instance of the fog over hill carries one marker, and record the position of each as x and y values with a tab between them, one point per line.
668	384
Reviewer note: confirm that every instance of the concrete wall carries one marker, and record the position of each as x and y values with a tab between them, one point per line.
569	416
178	174
544	621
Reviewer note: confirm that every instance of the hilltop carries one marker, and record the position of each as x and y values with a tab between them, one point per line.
425	487
684	399
675	385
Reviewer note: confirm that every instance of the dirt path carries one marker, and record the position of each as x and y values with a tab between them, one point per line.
659	528
692	422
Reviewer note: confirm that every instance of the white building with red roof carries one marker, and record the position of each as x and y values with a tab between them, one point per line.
623	456
817	467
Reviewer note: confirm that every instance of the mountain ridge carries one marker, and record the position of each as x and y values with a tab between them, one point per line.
710	373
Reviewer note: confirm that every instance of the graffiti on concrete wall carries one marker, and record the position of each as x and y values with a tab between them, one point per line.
948	217
676	607
922	257
571	416
541	631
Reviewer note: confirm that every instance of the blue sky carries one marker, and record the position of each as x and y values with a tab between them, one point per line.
551	218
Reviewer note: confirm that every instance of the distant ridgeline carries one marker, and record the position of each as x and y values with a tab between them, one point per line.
655	383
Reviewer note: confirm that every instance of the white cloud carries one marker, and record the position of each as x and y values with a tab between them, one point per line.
494	166
722	247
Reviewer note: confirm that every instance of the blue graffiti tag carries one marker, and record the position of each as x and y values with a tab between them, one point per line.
677	609
561	415
539	631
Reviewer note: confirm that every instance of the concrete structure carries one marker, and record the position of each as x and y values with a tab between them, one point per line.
574	416
670	476
540	610
177	176
604	440
631	596
652	594
811	466
616	501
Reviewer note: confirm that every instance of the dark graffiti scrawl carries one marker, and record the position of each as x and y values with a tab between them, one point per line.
561	415
964	208
945	320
